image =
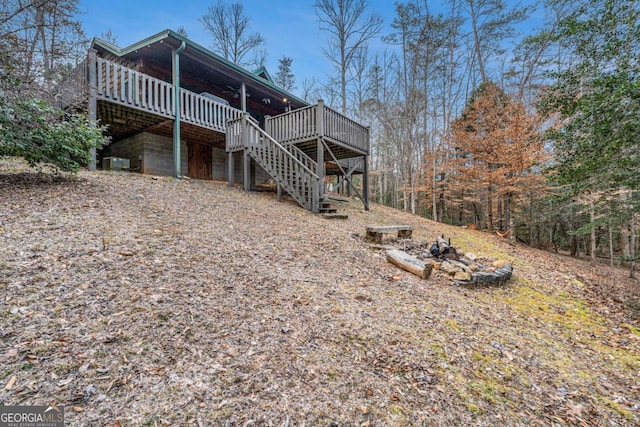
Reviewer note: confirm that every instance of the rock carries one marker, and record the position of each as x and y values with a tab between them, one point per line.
462	275
460	265
450	268
471	256
499	263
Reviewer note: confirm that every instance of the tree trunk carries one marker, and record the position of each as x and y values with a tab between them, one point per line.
624	229
476	39
592	218
633	245
507	218
490	208
434	211
610	245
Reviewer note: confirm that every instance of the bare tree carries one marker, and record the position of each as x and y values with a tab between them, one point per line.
285	77
310	91
182	31
109	37
491	23
229	28
350	27
40	38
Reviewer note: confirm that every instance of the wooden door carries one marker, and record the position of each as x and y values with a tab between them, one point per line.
200	161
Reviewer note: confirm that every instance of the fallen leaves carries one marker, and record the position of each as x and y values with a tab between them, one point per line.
149	310
11	382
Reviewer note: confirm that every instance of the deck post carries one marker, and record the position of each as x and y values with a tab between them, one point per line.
246	166
93	100
176	110
243	94
348	178
230	169
320	147
267	124
365	183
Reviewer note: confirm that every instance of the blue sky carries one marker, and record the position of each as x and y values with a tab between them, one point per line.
290	27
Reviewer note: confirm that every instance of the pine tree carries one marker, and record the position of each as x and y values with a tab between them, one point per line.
285	77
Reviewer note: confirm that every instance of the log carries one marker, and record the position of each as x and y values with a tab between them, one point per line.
409	263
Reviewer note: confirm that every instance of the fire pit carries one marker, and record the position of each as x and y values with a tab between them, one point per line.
463	267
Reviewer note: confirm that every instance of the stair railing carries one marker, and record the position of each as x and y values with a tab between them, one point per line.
292	170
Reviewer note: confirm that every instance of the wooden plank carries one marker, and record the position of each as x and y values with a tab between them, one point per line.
409	263
388	228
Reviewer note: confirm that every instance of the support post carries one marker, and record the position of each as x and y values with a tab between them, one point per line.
243	94
365	183
267	124
230	169
346	177
93	100
320	167
246	159
176	109
247	171
320	147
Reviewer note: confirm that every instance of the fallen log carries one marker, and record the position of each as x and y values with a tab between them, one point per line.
409	263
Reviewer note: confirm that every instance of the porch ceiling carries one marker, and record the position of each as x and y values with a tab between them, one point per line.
125	122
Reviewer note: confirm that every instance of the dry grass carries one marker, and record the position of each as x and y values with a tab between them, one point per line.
140	301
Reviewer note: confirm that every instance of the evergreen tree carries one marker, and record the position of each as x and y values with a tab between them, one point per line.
285	77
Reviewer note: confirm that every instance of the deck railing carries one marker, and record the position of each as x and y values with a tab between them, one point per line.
342	129
297	125
125	86
74	87
206	112
318	121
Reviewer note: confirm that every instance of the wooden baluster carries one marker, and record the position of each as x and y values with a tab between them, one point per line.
121	75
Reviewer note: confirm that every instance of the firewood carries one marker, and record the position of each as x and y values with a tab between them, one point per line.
409	263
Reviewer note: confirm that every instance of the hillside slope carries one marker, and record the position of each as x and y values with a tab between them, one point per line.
135	300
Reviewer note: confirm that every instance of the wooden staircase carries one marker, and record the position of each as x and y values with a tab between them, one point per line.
289	167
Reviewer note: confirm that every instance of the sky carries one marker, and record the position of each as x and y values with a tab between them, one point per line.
289	27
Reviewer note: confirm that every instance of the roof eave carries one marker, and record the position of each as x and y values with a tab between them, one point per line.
172	34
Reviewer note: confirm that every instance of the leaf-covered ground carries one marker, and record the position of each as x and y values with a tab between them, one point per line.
135	300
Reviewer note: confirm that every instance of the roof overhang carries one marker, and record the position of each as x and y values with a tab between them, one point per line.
203	70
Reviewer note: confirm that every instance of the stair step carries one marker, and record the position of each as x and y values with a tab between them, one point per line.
334	216
328	210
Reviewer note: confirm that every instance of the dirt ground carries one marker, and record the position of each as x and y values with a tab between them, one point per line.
142	301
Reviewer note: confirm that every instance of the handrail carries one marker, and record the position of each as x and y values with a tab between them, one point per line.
282	165
234	135
302	157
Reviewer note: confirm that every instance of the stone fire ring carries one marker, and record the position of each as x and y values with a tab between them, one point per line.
496	277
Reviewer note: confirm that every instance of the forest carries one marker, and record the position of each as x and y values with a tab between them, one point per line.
478	125
475	121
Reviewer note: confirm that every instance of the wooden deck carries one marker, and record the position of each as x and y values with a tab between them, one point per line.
303	127
154	101
130	102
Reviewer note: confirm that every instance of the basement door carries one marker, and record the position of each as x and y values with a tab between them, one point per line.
200	161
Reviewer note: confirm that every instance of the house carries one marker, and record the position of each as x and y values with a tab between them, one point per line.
175	108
